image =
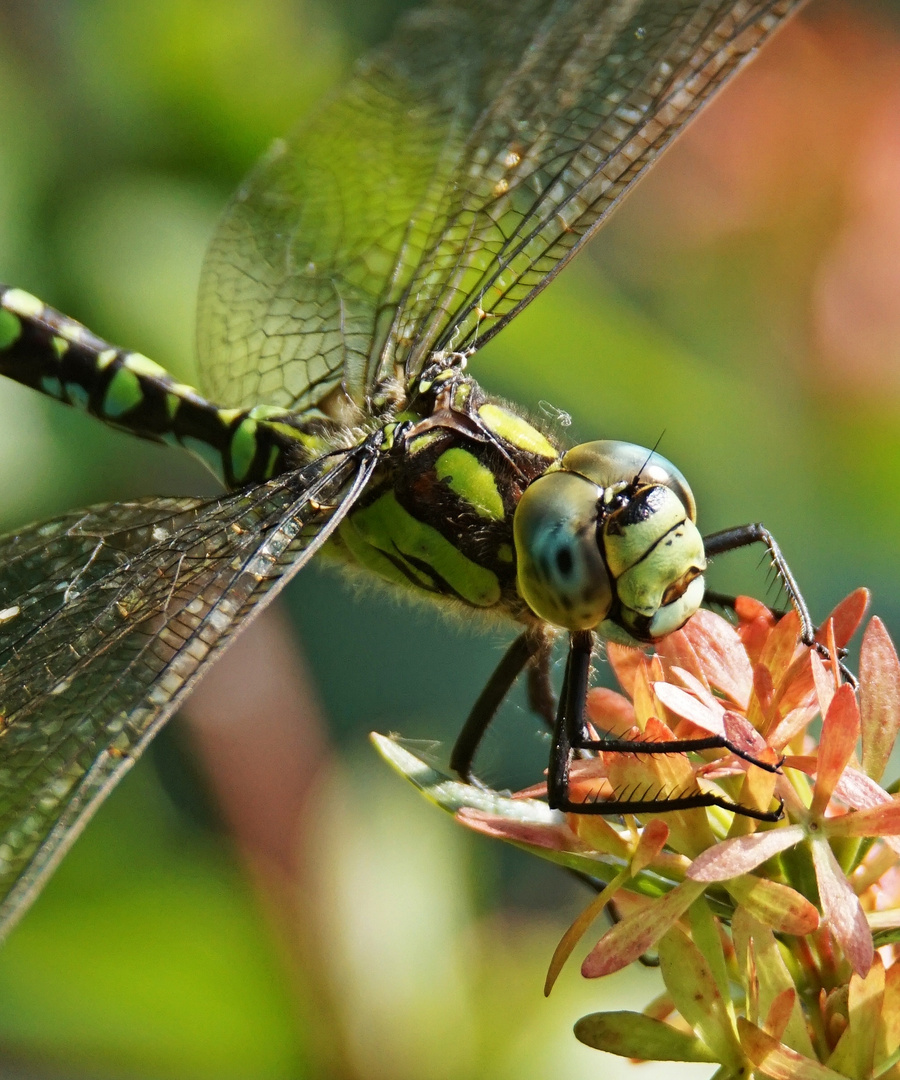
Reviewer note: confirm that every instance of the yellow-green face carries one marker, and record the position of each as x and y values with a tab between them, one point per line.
608	542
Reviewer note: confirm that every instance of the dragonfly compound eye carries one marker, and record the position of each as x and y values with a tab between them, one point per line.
561	572
608	540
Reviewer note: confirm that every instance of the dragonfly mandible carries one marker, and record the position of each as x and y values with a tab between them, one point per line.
348	287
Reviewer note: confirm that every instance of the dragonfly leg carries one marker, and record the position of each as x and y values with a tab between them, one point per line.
744	535
532	645
570	734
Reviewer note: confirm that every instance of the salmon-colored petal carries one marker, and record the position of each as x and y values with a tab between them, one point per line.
841	909
741	854
754	636
797	688
745	737
687	707
635	935
722	656
782	646
883	820
762	712
824	682
793	722
777	1061
700	690
625	661
779	1013
774	905
676	652
879	697
848	615
554	837
652	841
840	731
859	791
749	609
609	711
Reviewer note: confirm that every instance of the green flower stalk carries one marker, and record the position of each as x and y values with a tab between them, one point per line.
776	940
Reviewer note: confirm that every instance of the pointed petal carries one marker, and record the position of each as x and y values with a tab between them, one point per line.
625	661
777	1061
762	712
687	707
722	656
848	615
756	622
842	912
879	697
609	711
578	928
824	681
782	646
634	1035
883	820
553	837
652	841
677	653
775	905
743	853
779	1014
840	730
745	737
637	933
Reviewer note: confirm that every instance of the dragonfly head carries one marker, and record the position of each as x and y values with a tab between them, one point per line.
607	541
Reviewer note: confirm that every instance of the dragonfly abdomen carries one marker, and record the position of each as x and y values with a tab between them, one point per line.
56	355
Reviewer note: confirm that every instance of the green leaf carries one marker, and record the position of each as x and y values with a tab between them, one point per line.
761	961
692	985
527	823
634	1035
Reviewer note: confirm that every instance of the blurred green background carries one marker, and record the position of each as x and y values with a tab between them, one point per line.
258	898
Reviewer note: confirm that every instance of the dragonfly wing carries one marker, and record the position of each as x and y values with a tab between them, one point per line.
599	90
448	182
307	268
106	618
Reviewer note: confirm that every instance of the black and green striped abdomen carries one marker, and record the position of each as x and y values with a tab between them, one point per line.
436	517
56	355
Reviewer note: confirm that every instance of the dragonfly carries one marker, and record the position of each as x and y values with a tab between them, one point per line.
351	282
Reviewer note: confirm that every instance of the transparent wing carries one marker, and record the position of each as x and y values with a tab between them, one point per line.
106	618
455	174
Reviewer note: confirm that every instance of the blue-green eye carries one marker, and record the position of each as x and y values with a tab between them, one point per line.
562	575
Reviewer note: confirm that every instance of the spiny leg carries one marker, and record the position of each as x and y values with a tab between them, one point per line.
571	734
756	533
533	647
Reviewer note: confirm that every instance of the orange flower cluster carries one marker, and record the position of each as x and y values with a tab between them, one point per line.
775	939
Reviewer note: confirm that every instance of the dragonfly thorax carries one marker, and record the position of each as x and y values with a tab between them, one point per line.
607	541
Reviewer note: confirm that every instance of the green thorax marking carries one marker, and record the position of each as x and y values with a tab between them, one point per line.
437	517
